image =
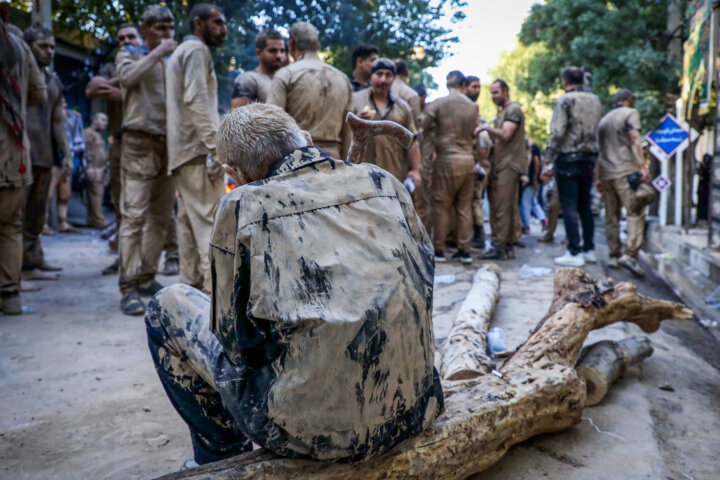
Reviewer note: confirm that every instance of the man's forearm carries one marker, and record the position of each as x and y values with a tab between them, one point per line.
415	156
130	73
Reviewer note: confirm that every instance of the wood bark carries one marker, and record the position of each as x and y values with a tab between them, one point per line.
464	351
539	392
604	362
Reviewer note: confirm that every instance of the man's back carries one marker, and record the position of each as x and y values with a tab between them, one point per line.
454	117
253	85
317	95
324	281
616	158
573	129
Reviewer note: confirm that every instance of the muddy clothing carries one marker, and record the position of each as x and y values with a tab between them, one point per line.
35	216
401	90
573	129
191	96
301	323
96	166
253	85
142	83
453	118
512	153
616	158
15	169
95	148
382	150
617	194
14	155
357	86
319	97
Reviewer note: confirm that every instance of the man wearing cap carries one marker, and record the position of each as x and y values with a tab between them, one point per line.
254	86
454	117
572	147
317	95
377	103
620	158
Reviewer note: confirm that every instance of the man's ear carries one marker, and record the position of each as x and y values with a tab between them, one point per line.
235	175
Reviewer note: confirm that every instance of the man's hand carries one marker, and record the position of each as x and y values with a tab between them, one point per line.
67	166
598	186
546	175
215	170
166	47
524	180
645	174
480	128
416	177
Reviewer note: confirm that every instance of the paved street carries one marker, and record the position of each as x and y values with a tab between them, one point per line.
81	399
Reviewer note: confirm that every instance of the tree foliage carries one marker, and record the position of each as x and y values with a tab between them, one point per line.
407	29
624	42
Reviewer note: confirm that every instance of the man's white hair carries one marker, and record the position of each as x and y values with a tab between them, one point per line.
252	138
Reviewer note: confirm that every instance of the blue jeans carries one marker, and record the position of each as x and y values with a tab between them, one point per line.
529	205
575	182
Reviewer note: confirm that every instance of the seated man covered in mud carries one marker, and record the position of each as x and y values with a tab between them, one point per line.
317	341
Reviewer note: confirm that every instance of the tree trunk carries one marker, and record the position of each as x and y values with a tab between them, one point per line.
604	362
464	351
539	392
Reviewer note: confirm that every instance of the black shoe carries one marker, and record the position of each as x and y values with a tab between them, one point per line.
478	239
439	256
172	267
495	253
131	304
113	268
46	267
463	256
510	253
151	289
519	244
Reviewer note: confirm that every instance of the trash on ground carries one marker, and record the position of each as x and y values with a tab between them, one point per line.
157	442
526	271
707	323
444	279
603	432
664	257
667	387
496	340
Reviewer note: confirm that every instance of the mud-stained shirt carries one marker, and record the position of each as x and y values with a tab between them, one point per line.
615	157
322	300
192	104
253	85
142	83
318	96
96	149
511	153
15	168
400	90
453	117
383	150
41	125
573	129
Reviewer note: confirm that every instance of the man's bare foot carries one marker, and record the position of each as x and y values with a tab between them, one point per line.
46	267
26	286
67	228
47	230
38	274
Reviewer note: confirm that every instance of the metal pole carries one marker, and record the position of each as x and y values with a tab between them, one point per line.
678	170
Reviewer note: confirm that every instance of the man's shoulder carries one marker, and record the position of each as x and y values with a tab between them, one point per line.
402	104
361	95
190	46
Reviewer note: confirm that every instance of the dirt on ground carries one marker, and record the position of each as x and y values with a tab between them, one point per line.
81	400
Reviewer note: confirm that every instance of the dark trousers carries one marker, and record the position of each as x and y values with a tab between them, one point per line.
575	181
36	201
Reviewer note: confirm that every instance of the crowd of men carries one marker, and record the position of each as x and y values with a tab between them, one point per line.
311	283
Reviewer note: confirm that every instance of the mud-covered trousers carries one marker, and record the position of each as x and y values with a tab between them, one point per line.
185	353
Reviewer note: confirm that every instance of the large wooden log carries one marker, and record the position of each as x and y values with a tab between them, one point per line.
539	392
604	362
463	352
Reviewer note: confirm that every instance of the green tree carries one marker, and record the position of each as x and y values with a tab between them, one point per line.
623	41
407	29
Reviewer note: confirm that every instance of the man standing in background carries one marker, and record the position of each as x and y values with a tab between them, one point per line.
22	84
572	147
621	169
147	191
46	130
363	57
400	89
96	151
254	86
318	96
193	119
508	162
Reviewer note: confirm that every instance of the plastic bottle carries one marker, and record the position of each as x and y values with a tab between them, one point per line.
409	184
496	340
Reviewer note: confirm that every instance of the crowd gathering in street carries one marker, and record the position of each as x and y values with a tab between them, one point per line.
238	253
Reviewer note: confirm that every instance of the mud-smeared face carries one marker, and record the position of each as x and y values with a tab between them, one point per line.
381	81
128	36
44	50
273	55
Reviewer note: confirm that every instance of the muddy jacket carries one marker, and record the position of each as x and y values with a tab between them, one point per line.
322	301
454	117
253	85
401	90
573	129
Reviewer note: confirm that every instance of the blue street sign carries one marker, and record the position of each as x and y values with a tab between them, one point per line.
670	136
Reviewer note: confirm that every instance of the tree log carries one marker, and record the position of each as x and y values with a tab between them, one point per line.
604	362
539	392
463	352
